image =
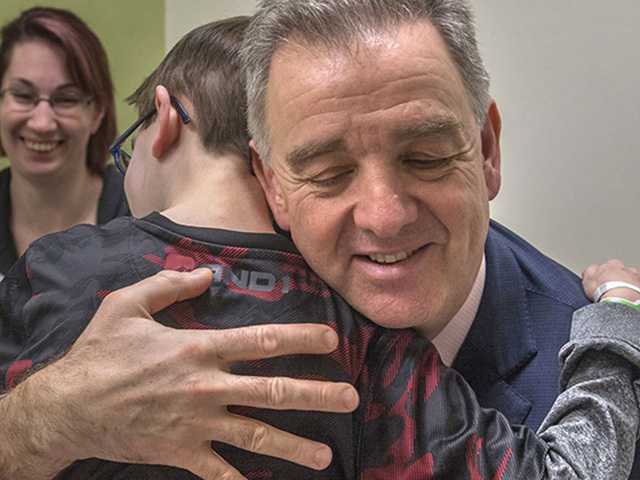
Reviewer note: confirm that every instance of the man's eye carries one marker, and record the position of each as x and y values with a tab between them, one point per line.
330	179
429	164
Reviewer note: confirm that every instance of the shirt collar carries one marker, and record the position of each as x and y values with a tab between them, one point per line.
450	339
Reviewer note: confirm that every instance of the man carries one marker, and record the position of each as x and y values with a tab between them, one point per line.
179	159
379	151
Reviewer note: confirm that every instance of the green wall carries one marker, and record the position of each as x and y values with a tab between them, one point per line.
132	32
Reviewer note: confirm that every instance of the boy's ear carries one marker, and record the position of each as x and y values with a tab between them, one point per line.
272	188
168	124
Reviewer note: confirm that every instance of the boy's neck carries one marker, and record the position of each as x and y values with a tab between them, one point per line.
219	192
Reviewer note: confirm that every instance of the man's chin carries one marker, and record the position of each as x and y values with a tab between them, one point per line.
393	314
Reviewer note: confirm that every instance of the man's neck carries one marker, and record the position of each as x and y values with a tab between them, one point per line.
452	336
220	192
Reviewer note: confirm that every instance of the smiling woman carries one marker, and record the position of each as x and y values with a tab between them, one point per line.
57	118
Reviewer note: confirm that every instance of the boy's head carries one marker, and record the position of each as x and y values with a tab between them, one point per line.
203	72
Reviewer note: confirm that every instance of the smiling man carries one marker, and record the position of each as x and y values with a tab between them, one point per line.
381	173
378	145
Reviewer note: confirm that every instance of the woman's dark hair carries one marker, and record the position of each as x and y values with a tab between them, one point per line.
86	62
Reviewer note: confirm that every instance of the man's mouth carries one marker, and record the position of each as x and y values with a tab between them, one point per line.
388	259
41	146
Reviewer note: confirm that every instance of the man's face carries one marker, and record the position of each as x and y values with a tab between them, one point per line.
381	174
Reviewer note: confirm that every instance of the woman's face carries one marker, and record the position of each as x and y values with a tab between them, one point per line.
41	140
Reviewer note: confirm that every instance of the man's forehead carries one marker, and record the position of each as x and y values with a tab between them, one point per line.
318	62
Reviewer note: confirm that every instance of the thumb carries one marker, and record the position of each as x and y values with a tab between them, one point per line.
161	290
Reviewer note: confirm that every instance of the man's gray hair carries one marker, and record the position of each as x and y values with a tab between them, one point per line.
335	24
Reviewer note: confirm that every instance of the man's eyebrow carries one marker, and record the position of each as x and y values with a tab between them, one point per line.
428	128
300	157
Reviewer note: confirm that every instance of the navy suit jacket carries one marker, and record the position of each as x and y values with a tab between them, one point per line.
510	356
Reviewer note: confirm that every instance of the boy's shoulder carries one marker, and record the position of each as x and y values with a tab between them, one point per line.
79	253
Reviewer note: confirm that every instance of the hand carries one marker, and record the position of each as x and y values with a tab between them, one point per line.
611	271
133	390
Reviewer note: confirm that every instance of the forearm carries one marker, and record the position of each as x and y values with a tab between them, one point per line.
590	431
32	443
592	428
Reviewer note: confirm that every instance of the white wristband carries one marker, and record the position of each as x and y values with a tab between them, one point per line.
606	286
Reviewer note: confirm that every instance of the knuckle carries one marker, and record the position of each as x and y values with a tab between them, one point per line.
195	385
325	396
116	298
276	392
258	439
267	340
194	350
223	473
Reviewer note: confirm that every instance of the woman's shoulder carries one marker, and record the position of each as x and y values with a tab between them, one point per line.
112	202
5	177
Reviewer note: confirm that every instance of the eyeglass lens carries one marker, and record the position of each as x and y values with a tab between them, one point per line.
66	102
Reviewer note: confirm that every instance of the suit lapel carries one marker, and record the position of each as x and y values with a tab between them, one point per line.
500	342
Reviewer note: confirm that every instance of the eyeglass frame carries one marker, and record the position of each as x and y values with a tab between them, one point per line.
36	99
116	150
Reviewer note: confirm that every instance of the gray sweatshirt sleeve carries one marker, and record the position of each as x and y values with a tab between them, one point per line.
591	430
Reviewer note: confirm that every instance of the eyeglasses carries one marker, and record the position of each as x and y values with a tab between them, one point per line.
120	156
64	103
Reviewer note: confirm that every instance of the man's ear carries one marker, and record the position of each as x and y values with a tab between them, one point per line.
491	150
168	124
272	188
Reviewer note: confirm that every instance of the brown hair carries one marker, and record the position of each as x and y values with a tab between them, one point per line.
86	62
204	67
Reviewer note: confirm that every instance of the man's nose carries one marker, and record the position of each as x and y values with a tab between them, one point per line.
384	205
42	118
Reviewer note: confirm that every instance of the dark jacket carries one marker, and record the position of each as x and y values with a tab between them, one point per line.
112	204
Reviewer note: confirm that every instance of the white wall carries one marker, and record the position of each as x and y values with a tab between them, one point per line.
183	15
566	75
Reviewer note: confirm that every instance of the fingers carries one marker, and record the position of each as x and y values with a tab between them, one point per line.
267	341
255	436
159	291
611	271
207	464
281	393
